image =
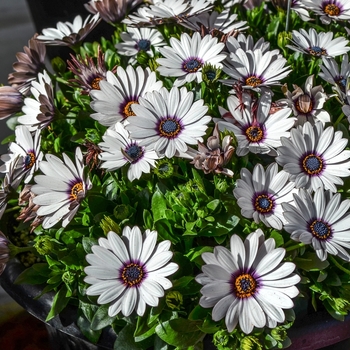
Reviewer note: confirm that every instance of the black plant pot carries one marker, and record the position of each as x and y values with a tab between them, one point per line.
311	332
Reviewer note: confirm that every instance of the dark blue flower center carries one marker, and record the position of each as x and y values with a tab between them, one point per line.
211	75
317	51
341	82
263	203
134	153
144	45
244	285
192	65
132	274
312	164
254	133
320	229
169	128
29	160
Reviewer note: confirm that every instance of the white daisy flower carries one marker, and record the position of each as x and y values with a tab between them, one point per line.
321	220
248	284
61	189
256	130
307	104
315	157
118	149
129	272
318	44
25	152
336	10
260	194
119	92
215	23
169	121
139	40
38	112
255	69
186	57
246	43
67	33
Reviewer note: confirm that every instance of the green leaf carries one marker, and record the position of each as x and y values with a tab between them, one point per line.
101	319
158	206
180	332
88	243
310	262
36	274
125	339
59	302
84	326
143	330
213	204
147	219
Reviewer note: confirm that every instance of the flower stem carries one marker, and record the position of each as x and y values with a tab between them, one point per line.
340	267
294	247
288	15
17	207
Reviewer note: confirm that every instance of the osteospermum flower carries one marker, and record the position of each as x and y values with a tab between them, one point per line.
67	33
29	64
129	272
119	92
25	152
186	57
315	157
88	74
307	104
256	130
139	40
11	101
170	121
260	194
321	220
336	10
118	150
318	44
38	112
248	284
61	189
246	43
255	69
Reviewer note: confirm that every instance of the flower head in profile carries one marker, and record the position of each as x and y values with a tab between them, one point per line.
137	40
25	153
129	272
111	11
319	45
170	121
315	157
4	252
61	188
39	110
113	102
213	157
307	104
88	74
186	57
29	64
336	10
69	33
11	101
321	220
261	193
118	149
248	284
256	130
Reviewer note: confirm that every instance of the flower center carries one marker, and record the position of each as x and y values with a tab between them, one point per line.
341	82
254	133
132	274
211	75
320	230
312	164
192	65
304	104
332	10
134	153
169	128
95	84
76	191
127	110
253	81
29	160
263	203
144	45
244	286
317	51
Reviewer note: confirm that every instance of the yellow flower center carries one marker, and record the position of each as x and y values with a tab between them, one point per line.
332	10
169	128
76	190
244	286
312	164
132	274
253	81
263	204
29	160
128	112
254	133
95	84
320	229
